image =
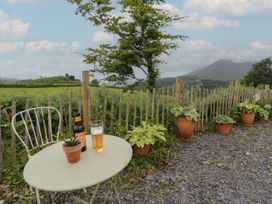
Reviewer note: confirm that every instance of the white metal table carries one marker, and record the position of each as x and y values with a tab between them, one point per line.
49	170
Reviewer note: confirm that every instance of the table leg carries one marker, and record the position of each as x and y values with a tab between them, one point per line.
116	192
37	196
95	192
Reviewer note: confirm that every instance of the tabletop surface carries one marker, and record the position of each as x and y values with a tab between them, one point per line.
49	170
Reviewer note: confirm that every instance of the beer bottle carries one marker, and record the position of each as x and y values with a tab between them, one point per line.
79	131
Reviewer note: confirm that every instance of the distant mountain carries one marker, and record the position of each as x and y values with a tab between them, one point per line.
188	81
224	70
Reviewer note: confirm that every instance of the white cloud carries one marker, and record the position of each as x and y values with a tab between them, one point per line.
12	28
197	45
6	47
196	54
206	22
40	46
7	62
100	37
236	7
28	1
261	46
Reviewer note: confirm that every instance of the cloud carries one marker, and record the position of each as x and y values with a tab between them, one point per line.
205	22
196	54
100	37
7	62
235	7
40	46
12	28
261	46
28	1
6	47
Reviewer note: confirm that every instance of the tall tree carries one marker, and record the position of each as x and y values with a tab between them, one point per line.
141	37
261	73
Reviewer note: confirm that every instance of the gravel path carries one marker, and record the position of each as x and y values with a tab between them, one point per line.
210	169
213	169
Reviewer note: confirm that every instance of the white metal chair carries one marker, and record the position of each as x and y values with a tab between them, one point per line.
34	128
38	130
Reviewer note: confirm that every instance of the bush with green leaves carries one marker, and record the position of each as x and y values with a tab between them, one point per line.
266	104
223	119
146	134
188	112
246	107
262	113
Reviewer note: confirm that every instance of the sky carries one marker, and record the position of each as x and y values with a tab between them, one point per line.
46	38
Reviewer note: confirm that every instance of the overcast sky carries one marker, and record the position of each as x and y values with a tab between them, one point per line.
45	37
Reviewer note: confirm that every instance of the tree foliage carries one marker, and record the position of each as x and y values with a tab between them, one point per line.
141	37
261	73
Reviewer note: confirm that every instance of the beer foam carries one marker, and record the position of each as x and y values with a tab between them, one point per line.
96	130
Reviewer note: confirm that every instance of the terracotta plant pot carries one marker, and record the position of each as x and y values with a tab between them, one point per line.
72	153
248	119
223	128
141	151
185	128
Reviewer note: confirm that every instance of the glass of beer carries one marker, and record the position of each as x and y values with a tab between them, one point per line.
97	135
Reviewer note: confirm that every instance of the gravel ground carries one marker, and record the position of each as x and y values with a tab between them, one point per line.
213	169
210	169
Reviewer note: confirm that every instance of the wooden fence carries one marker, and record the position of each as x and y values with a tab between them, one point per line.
120	110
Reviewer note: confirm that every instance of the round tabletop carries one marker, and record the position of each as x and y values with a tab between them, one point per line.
49	169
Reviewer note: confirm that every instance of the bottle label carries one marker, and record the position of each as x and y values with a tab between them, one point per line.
82	137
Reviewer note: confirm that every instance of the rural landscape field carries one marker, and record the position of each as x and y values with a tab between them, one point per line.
135	101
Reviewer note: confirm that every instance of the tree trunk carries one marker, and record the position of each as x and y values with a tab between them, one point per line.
151	78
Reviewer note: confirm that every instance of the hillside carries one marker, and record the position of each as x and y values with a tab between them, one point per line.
189	81
44	82
224	70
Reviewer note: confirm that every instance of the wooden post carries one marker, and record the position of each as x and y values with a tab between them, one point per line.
1	148
178	90
267	91
13	136
85	98
237	92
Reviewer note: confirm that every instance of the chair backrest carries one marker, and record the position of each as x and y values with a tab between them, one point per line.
36	127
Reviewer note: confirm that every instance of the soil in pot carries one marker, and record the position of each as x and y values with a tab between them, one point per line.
185	128
248	119
223	128
72	153
141	151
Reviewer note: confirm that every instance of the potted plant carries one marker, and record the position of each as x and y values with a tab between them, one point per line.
142	137
223	124
263	114
186	118
72	149
247	113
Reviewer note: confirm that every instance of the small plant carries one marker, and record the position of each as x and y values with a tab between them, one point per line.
223	119
188	112
146	135
71	142
246	107
262	113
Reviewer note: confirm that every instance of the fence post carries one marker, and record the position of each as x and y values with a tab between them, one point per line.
267	91
178	90
85	98
237	92
1	148
13	136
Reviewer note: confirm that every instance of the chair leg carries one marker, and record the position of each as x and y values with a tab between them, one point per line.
37	196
